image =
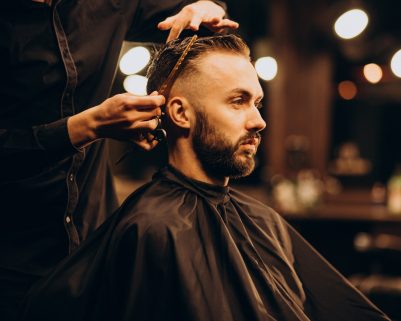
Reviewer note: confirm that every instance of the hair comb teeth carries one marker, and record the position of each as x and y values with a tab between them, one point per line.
174	72
159	133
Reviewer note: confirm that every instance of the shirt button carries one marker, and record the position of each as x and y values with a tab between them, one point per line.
67	95
67	219
71	177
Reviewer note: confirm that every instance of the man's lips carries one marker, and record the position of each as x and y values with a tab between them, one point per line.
254	141
250	146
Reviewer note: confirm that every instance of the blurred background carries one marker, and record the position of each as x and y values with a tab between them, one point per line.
331	156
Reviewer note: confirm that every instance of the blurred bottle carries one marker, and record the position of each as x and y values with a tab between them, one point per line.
378	193
394	192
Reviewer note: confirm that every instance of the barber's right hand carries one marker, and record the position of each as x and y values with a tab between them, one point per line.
123	117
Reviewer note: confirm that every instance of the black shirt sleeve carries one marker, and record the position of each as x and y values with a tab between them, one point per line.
31	149
54	138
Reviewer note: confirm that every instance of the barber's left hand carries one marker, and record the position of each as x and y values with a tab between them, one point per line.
205	13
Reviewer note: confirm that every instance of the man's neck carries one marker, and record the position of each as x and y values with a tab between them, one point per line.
188	163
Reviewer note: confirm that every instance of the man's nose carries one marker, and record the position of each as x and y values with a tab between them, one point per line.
255	121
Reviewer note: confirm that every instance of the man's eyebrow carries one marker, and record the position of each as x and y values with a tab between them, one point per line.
244	92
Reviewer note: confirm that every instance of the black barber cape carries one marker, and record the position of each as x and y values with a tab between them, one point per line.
180	249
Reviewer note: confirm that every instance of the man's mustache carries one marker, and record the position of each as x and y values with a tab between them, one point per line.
250	136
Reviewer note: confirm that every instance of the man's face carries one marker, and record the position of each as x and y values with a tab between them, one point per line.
227	120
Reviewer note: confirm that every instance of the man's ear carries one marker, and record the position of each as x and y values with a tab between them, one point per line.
179	111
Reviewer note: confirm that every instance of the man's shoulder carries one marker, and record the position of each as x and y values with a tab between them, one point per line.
254	207
266	218
153	214
160	202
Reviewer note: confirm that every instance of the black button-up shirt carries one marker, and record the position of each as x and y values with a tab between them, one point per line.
55	62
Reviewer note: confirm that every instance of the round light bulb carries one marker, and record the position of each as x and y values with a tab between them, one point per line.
373	73
396	64
266	68
134	60
135	84
347	89
351	23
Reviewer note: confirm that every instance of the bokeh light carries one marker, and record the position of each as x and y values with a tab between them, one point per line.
135	84
373	73
396	64
266	67
134	60
347	90
351	23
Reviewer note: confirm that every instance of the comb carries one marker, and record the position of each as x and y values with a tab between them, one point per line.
159	133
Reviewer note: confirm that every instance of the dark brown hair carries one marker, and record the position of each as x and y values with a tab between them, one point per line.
165	59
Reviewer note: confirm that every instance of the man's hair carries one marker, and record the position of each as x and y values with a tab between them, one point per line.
165	59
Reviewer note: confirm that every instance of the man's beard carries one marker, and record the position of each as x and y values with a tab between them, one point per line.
218	156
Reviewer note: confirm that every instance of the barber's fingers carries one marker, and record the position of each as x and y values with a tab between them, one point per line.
144	102
143	136
190	17
227	23
181	21
138	116
212	20
195	22
167	23
146	144
176	24
154	93
144	126
175	32
222	24
206	13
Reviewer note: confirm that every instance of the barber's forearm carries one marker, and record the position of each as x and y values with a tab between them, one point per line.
81	129
123	116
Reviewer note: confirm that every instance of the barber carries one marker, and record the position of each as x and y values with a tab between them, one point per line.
58	60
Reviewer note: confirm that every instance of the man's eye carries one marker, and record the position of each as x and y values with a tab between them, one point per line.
259	105
238	101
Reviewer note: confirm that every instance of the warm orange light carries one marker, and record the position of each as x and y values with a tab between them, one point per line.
347	89
373	73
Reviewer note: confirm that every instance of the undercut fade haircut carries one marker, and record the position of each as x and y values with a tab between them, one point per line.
166	58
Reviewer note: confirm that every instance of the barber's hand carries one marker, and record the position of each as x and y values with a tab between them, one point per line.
144	138
122	117
205	13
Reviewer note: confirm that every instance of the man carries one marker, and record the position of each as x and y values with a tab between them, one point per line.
57	61
186	246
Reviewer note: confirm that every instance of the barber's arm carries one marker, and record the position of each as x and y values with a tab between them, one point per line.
41	138
151	15
26	151
123	117
205	13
